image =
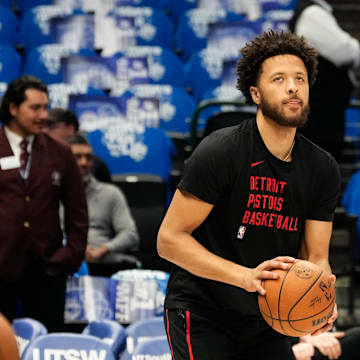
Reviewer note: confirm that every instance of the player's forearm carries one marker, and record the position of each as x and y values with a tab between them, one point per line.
185	251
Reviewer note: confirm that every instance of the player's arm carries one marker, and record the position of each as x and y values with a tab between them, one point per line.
176	244
315	248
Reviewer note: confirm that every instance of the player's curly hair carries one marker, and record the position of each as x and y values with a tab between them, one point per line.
268	44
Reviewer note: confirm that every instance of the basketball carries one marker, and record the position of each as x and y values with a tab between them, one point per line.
8	346
299	301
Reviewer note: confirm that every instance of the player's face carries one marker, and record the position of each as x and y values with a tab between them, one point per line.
282	93
28	117
84	158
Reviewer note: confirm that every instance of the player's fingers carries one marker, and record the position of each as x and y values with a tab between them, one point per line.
268	275
339	334
274	264
260	289
287	259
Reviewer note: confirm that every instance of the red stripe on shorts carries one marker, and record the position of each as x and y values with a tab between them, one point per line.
188	334
168	332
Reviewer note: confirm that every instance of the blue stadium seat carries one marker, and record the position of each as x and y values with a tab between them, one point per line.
147	153
110	332
26	331
76	30
193	28
176	106
44	61
164	66
8	26
157	348
7	3
92	71
124	133
24	5
59	93
34	26
150	26
268	5
66	346
179	7
140	332
10	63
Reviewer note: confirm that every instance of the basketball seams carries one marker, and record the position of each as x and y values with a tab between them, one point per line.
263	283
279	297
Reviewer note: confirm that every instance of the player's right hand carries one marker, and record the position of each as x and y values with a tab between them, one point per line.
254	277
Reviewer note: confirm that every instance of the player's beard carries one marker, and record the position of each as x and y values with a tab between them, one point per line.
276	114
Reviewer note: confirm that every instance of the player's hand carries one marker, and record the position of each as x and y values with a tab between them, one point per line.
328	343
254	277
303	351
330	322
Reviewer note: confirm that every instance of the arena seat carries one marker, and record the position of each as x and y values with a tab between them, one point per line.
193	29
44	61
26	331
8	26
140	332
164	66
90	70
34	25
10	63
176	106
110	332
68	345
156	347
24	5
151	27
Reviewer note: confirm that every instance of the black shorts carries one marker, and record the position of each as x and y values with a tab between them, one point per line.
195	336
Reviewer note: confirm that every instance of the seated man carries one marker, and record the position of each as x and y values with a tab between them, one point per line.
62	123
112	234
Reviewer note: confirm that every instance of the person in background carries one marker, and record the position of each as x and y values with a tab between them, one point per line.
112	236
339	58
329	345
62	123
37	175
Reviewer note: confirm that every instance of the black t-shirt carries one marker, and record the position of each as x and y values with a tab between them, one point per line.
260	206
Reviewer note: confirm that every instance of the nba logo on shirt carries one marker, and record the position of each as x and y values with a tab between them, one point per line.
241	232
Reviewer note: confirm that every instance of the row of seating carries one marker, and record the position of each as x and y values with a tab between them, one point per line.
106	340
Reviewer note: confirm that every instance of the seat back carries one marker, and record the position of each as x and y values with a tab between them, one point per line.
26	331
68	345
140	332
110	332
10	63
157	347
146	196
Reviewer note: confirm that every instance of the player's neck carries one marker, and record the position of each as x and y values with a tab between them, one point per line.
278	139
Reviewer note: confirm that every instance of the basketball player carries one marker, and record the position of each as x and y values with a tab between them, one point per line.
259	175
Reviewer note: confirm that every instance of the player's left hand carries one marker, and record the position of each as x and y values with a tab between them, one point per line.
330	322
303	351
328	344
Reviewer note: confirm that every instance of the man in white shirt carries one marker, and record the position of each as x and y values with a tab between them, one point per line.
339	54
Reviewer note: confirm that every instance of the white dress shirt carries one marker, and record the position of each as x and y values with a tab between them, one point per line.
319	26
14	141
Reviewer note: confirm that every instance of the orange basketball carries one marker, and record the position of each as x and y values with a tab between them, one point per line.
8	346
300	301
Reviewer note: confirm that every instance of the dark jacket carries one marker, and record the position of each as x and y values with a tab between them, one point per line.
30	230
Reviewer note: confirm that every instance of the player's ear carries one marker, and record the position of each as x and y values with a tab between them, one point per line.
255	95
